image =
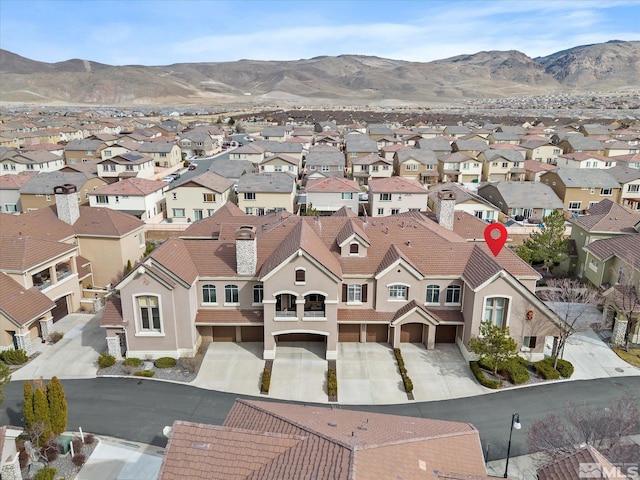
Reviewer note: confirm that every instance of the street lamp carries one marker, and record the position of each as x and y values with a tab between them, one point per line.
515	423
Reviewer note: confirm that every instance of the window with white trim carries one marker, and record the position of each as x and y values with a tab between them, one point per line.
398	292
354	292
495	310
575	205
529	342
149	309
633	188
209	293
453	295
433	294
385	197
301	275
258	293
606	192
231	294
178	212
347	196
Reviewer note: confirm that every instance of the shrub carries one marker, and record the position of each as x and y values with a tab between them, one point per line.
564	367
516	372
51	451
408	384
190	364
77	444
144	373
523	361
105	360
265	382
132	362
89	438
23	458
484	381
79	459
165	362
46	473
14	357
546	370
332	383
55	337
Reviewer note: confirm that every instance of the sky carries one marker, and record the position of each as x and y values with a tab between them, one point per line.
139	32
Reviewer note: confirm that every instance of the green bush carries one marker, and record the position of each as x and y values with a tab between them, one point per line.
265	382
564	367
105	360
408	384
165	362
144	373
516	372
46	473
523	361
546	370
332	383
132	362
14	357
484	381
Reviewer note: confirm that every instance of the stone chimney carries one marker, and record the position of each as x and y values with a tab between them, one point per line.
67	203
446	208
246	250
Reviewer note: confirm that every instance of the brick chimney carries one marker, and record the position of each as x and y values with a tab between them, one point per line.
67	203
246	250
446	208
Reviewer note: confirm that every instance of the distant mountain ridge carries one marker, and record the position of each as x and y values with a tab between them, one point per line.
347	79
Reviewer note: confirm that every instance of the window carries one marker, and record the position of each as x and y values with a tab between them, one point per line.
608	164
398	292
178	212
249	195
594	264
112	167
129	168
375	168
301	275
312	167
407	167
210	212
353	154
30	167
453	295
381	211
209	293
516	164
529	342
5	166
10	207
385	197
433	294
149	313
633	188
354	248
105	168
324	168
197	214
107	153
505	164
347	196
175	196
606	192
163	154
248	210
574	205
230	294
354	292
465	166
414	166
588	164
258	293
395	211
494	311
209	197
48	197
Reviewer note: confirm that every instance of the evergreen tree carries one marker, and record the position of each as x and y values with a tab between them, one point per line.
548	246
494	346
5	377
41	414
57	406
27	411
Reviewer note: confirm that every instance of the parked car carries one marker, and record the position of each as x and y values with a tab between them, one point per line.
193	166
168	178
175	175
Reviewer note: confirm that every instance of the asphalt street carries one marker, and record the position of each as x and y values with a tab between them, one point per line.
138	409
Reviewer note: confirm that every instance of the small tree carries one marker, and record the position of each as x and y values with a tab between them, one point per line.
5	378
27	410
57	406
571	301
129	266
41	416
547	246
625	300
494	345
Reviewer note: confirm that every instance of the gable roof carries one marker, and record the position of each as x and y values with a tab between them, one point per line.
266	183
209	180
625	247
13	182
18	254
608	216
523	194
585	177
568	467
332	184
135	187
396	185
45	182
20	305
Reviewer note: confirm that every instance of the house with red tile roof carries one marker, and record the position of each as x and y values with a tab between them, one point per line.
10	192
393	195
574	465
280	277
328	195
140	197
266	440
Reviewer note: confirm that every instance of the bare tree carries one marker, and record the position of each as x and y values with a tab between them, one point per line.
623	297
571	301
606	429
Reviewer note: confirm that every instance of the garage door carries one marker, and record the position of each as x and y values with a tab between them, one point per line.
377	333
446	333
300	337
411	333
252	334
60	310
224	334
348	333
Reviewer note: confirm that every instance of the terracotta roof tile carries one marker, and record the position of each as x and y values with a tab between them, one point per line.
18	254
332	184
396	184
174	255
131	186
568	467
480	267
229	316
364	315
112	313
13	182
22	305
97	221
608	216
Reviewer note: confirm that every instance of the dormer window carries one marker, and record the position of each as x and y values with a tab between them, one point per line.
301	275
354	248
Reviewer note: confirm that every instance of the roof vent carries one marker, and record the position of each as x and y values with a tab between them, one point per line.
363	427
333	423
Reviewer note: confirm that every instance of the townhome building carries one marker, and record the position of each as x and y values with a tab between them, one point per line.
629	180
357	146
614	148
541	150
584	160
280	277
30	161
199	197
577	143
164	154
281	163
126	165
261	193
459	167
271	148
120	146
324	161
78	151
417	164
501	165
196	143
140	197
328	195
394	195
38	191
371	166
275	134
376	131
531	201
251	152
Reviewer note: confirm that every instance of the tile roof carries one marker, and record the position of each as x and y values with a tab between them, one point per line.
19	254
523	194
104	222
568	468
536	166
112	313
421	155
585	177
396	185
131	187
21	305
266	183
210	180
175	256
622	174
231	317
44	182
608	216
13	182
479	268
42	223
332	184
625	247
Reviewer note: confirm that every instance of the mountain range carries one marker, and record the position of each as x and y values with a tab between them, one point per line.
339	80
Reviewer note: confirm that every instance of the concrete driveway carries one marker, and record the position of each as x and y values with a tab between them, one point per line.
74	356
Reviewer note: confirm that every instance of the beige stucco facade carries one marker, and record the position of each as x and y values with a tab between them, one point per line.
191	201
35	201
266	202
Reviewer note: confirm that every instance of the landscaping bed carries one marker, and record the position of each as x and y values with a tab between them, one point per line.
515	374
66	467
632	356
165	368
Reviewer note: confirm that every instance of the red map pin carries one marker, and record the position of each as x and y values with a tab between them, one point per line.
495	235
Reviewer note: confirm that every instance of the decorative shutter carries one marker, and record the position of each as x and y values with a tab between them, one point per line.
344	292
364	292
407	293
532	342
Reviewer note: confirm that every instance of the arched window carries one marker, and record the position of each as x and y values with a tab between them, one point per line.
258	293
398	292
301	275
231	294
433	294
354	248
148	307
209	293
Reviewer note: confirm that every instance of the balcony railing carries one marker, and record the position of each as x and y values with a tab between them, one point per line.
43	285
60	274
314	313
285	313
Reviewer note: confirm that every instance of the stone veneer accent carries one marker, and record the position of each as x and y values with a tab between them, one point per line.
46	327
23	342
246	251
11	470
619	330
446	208
67	203
113	347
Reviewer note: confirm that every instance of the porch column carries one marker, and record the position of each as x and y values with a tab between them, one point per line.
46	327
23	342
430	340
299	307
113	347
269	352
619	330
